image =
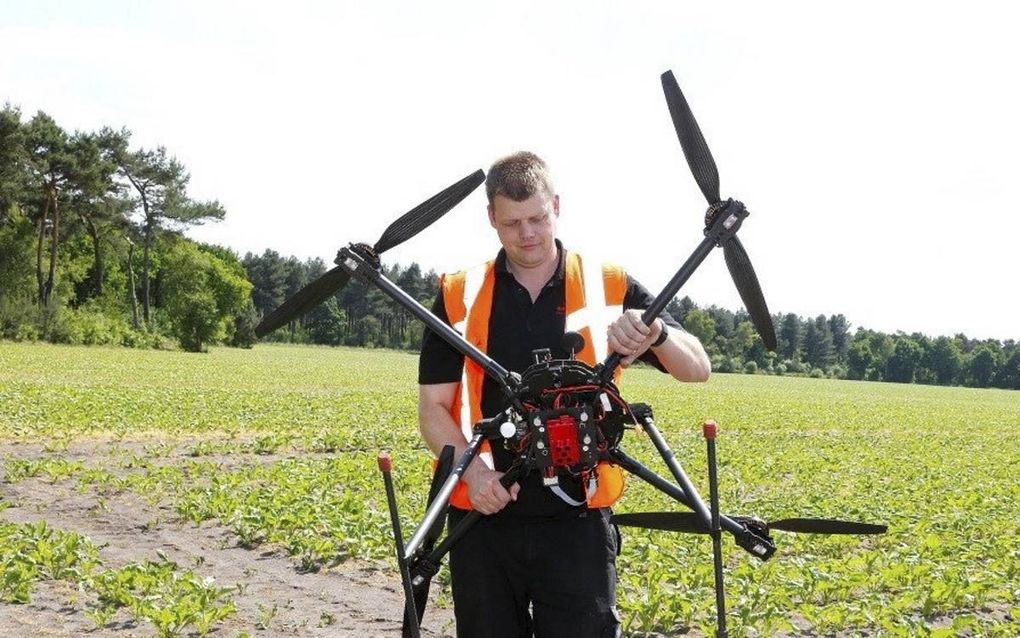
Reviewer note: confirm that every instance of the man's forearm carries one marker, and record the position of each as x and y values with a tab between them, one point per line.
438	429
683	356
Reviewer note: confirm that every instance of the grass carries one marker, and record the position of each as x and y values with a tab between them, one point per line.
279	443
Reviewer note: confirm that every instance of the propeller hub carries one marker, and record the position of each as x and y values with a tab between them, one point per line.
723	220
366	252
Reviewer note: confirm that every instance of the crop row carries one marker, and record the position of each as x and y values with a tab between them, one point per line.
171	600
325	510
278	445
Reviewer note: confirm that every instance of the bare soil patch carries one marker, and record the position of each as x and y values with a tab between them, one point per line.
352	599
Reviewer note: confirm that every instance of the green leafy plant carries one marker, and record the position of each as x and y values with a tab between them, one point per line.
787	446
266	615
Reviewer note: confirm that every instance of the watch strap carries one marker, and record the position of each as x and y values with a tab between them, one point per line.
662	335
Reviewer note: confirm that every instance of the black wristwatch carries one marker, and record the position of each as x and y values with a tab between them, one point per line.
662	335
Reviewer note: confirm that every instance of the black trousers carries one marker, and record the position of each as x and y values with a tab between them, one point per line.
517	578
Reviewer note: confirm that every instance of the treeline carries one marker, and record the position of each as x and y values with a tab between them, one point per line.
824	347
358	315
818	347
91	250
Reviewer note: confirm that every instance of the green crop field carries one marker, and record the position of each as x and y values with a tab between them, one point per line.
278	445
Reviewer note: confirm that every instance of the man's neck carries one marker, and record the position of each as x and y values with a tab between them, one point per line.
534	278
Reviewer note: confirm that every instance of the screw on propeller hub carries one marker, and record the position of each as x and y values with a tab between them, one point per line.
405	227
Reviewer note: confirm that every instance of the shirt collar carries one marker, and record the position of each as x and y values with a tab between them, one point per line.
561	263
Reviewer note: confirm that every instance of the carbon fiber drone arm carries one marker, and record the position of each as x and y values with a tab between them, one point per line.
725	227
758	546
359	261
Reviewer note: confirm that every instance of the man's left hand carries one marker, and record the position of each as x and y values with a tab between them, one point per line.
629	336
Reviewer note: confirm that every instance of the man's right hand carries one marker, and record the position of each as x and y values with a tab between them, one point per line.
487	494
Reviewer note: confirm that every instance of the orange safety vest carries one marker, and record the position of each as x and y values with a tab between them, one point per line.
594	299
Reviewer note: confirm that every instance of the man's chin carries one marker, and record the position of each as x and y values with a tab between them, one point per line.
529	258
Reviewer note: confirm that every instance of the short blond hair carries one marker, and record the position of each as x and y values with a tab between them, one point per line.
518	177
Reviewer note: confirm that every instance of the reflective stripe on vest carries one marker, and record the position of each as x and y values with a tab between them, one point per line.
467	417
594	298
598	310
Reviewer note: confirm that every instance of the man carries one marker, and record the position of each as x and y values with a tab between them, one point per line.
542	562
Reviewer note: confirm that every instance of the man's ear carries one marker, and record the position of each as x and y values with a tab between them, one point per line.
492	216
556	205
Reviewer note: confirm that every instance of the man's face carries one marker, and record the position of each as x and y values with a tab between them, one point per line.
526	229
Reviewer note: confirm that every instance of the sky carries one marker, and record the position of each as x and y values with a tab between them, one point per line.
874	143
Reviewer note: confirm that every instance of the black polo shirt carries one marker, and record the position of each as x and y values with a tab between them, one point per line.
517	326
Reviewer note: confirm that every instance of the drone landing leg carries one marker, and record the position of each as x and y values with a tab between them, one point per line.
638	469
440	504
455	534
411	628
709	430
696	503
759	546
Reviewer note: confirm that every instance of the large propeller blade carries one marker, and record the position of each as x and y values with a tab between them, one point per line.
826	526
703	167
699	158
742	272
428	212
405	227
304	300
688	522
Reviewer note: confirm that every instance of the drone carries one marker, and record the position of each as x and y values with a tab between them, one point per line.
563	416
